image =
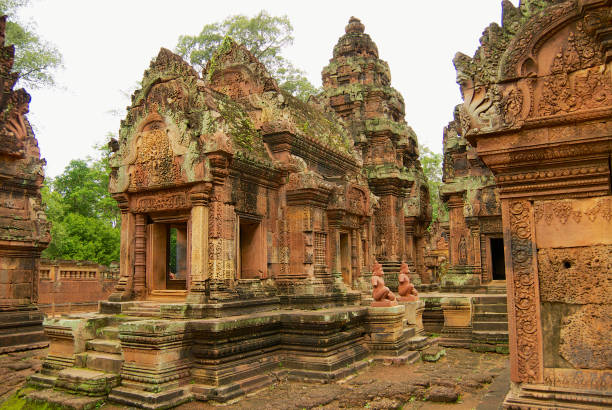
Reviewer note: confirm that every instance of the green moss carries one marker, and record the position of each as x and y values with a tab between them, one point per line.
225	46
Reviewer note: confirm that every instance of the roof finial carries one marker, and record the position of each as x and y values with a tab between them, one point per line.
354	26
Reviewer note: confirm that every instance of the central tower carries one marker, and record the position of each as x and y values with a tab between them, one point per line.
357	85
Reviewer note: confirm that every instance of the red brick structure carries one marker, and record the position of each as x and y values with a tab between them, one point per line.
24	230
73	285
538	108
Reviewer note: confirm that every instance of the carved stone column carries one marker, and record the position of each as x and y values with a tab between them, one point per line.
525	331
199	248
125	286
140	260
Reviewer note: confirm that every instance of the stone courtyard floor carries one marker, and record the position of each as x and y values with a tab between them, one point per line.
467	379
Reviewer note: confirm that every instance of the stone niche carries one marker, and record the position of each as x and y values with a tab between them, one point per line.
538	108
24	230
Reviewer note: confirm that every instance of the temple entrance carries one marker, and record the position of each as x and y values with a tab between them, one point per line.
345	258
497	259
167	259
252	258
176	257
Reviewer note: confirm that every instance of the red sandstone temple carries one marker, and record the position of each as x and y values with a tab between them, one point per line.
250	220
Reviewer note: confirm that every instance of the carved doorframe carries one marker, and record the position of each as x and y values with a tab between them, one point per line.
525	326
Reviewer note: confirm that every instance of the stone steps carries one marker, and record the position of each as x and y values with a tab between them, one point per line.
491	308
490	326
490	317
489	300
490	335
86	381
148	400
110	333
104	346
104	362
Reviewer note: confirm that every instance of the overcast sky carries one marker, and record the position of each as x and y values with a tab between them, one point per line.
108	44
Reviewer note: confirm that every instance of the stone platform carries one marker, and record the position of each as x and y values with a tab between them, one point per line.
154	355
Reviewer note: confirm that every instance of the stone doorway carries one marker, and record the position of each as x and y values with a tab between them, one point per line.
345	258
176	270
167	260
252	258
498	265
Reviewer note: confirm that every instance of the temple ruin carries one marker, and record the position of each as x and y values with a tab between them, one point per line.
24	230
265	236
250	221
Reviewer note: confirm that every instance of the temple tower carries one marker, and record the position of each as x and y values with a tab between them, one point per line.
357	86
24	230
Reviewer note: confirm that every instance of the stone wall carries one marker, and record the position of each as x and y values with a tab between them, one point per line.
80	283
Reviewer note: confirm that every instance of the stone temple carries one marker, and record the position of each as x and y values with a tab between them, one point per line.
263	235
250	222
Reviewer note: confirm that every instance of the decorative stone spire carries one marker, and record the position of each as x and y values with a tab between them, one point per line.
354	26
355	42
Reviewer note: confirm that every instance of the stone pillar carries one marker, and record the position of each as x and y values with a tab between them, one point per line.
199	253
125	286
140	260
524	324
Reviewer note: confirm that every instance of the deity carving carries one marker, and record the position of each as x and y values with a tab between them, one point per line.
462	251
381	294
406	289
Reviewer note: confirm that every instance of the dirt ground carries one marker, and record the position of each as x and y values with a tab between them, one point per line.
461	374
466	379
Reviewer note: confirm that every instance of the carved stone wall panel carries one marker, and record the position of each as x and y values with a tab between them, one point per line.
582	378
523	292
578	275
585	337
573	222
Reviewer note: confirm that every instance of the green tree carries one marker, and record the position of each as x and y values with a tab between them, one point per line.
35	59
432	168
263	35
84	217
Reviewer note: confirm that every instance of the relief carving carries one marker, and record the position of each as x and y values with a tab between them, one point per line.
563	210
161	202
524	293
585	337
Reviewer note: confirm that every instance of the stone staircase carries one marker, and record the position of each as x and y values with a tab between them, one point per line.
94	372
490	324
144	309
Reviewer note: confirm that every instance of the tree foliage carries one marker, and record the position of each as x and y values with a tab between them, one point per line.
35	59
263	35
432	167
85	219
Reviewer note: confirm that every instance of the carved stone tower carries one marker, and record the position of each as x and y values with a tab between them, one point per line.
24	230
357	85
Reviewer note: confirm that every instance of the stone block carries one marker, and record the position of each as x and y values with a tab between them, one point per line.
104	362
86	381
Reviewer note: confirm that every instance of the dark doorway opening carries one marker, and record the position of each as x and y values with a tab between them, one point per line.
176	257
497	259
251	250
345	258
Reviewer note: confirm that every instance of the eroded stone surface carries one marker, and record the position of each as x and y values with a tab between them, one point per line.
585	337
576	275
